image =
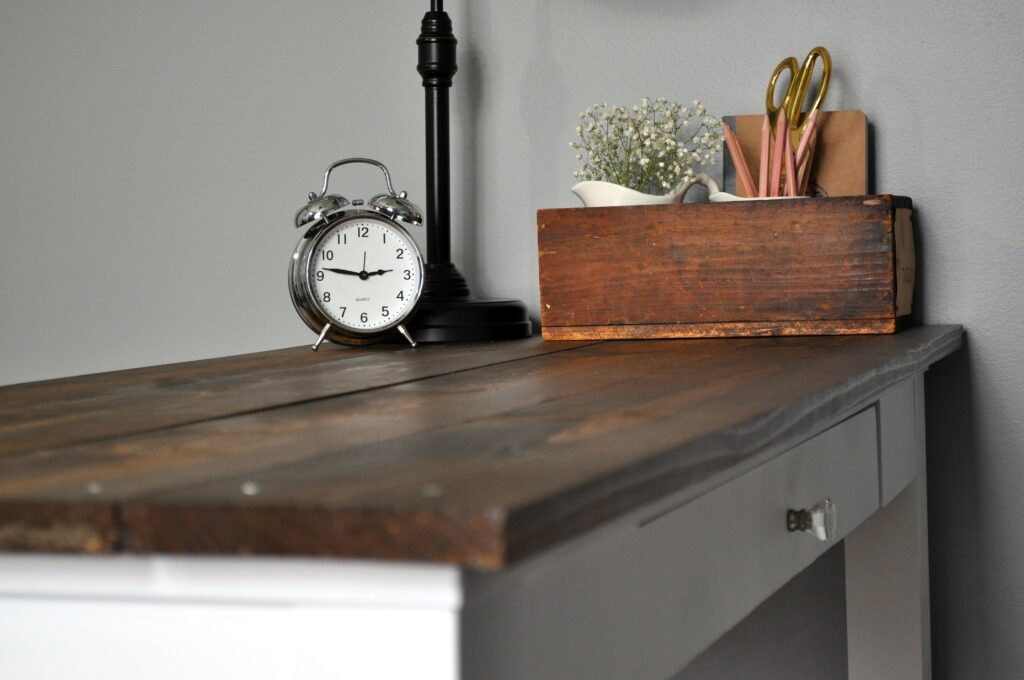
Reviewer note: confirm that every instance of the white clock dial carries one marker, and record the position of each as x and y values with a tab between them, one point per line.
365	274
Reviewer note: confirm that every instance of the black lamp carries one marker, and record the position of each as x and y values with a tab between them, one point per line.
447	310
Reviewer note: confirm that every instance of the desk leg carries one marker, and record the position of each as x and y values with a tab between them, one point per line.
887	597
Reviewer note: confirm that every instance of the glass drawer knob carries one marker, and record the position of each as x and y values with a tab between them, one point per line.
819	521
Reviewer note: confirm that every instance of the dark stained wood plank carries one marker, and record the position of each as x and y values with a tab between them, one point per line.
60	527
479	467
725	268
722	329
475	541
61	413
669	423
133	466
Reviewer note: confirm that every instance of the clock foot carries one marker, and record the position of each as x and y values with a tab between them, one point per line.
405	334
319	340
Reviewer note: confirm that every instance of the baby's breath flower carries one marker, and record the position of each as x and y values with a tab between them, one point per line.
650	146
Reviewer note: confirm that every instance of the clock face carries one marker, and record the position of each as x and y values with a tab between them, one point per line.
365	274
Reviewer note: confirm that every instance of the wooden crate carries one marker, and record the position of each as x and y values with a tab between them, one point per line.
821	266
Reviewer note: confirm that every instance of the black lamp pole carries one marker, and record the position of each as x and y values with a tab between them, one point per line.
437	66
447	310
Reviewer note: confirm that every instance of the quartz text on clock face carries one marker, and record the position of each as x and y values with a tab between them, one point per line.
365	275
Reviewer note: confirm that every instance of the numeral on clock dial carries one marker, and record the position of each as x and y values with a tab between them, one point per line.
363	274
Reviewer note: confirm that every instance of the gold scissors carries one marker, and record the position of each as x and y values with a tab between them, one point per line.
796	94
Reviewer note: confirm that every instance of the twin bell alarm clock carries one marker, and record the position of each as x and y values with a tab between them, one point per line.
356	275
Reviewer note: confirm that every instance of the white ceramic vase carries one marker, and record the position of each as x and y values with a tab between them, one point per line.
596	194
606	194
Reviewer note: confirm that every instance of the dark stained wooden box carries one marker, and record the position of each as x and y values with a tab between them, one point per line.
816	266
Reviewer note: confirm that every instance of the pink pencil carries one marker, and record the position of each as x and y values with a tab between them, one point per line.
766	145
743	175
805	171
791	178
812	125
780	140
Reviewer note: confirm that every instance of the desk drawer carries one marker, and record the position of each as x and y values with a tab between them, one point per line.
642	599
840	464
712	561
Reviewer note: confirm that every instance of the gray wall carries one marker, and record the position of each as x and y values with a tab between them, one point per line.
152	156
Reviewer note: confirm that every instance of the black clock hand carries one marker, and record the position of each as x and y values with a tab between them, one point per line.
379	272
341	271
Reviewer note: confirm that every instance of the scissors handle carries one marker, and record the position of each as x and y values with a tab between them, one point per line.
787	64
796	113
796	94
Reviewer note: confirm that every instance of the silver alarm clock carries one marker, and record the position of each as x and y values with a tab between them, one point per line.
356	275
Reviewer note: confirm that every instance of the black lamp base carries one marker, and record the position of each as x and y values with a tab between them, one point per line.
448	312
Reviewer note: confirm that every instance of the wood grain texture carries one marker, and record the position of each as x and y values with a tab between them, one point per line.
59	527
478	467
720	330
52	413
727	268
906	261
